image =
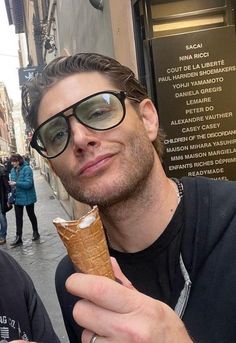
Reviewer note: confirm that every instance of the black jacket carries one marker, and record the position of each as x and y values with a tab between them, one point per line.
4	190
209	253
208	249
22	314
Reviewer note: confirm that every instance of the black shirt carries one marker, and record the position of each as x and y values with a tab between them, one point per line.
154	271
209	254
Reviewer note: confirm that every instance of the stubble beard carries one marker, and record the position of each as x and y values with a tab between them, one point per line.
127	184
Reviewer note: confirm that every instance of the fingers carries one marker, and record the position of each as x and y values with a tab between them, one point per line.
103	292
87	336
119	313
101	312
97	319
91	337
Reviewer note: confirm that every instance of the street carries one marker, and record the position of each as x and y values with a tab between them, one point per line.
39	259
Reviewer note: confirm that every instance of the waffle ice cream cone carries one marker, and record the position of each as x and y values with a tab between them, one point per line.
86	244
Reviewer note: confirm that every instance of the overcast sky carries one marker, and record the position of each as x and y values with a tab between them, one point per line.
9	63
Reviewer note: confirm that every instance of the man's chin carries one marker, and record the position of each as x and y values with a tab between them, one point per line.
101	197
91	195
92	199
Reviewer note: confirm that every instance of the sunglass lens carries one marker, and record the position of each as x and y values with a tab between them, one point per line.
53	136
100	112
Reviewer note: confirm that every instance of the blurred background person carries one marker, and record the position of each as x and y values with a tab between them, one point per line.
4	206
21	177
7	165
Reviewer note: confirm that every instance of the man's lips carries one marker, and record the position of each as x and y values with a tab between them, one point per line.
95	164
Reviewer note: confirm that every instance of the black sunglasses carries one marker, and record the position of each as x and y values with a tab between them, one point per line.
100	111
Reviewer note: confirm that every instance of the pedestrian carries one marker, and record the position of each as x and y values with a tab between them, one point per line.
4	206
173	239
22	313
21	178
7	165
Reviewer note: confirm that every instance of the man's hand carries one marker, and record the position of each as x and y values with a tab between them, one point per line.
119	313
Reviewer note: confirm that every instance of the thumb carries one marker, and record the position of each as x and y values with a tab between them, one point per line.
119	275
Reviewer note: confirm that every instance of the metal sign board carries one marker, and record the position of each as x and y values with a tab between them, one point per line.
25	74
195	76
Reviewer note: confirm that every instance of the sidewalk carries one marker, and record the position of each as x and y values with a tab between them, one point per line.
39	259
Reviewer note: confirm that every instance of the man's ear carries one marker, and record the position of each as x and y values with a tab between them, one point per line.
149	117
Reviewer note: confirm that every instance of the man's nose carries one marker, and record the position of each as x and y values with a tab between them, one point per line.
82	138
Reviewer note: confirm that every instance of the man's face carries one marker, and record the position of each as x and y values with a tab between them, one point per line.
98	167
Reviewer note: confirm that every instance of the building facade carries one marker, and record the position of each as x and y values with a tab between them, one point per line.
55	28
7	133
163	42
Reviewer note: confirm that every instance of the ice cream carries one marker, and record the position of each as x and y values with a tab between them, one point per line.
86	244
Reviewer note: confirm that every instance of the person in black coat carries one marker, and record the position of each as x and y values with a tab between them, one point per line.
23	316
4	206
7	165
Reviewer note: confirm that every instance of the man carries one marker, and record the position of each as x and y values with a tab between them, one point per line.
173	239
22	314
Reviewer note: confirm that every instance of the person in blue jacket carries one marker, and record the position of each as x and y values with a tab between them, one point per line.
21	178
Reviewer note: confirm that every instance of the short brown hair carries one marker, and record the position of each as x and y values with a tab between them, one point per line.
121	76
